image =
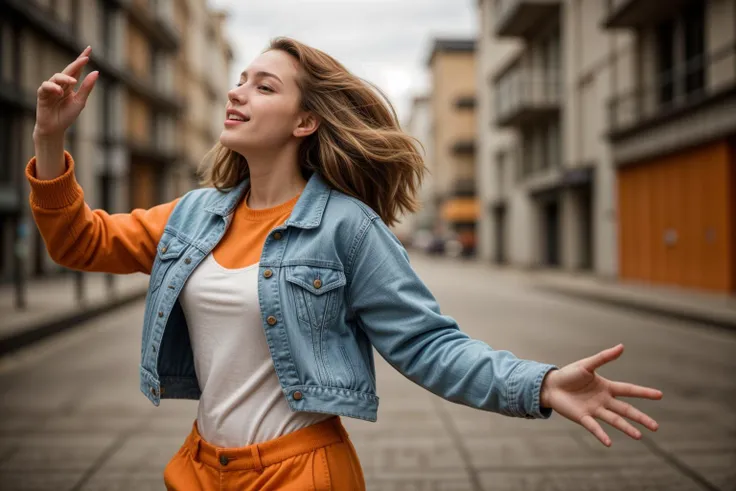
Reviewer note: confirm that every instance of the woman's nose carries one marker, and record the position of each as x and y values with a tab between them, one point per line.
235	97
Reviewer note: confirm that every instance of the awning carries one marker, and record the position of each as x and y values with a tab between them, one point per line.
461	210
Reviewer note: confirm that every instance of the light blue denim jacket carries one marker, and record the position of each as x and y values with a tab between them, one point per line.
334	282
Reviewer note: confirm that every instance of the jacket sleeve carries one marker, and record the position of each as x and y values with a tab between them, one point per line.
402	319
80	238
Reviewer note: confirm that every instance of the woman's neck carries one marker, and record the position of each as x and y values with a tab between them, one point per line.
273	183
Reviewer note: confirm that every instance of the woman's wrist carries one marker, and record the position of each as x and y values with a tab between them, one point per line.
49	150
544	392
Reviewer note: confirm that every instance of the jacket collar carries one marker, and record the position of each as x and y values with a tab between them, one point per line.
307	212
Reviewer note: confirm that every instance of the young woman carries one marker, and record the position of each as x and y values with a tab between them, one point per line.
271	285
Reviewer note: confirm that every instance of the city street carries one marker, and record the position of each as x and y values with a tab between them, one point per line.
72	417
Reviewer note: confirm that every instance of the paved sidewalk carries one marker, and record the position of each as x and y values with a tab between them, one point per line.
711	309
52	305
698	306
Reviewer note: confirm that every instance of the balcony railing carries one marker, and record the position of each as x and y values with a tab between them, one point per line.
633	13
520	18
523	98
688	86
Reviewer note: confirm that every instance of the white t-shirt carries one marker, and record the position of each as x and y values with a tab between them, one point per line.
242	401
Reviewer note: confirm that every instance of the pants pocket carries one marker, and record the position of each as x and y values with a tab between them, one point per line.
321	479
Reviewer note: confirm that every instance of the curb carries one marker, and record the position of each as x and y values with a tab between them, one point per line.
662	311
45	329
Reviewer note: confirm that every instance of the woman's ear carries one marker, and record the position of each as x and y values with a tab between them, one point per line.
308	124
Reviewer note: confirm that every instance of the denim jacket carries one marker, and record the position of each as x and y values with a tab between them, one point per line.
334	283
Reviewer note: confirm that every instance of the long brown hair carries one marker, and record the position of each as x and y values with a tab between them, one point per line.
359	147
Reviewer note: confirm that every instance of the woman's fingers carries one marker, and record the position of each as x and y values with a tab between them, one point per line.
628	411
594	362
592	426
49	90
75	68
86	88
623	389
618	422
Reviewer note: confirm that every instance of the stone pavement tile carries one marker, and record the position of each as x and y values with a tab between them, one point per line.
142	453
24	399
423	481
718	468
125	481
18	423
650	478
85	424
547	451
115	403
22	480
398	423
670	410
51	452
409	454
472	422
697	435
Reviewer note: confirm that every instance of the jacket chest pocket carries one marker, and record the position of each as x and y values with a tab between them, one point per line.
317	293
170	249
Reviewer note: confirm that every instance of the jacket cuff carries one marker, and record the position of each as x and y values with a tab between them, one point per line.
56	193
525	386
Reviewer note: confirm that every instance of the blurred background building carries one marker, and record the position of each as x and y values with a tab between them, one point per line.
605	138
452	66
155	111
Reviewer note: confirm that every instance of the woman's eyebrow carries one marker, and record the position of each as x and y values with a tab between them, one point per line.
244	75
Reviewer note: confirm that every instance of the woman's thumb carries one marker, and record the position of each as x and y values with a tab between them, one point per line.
86	88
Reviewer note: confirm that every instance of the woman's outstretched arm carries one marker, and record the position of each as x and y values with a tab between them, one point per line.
403	322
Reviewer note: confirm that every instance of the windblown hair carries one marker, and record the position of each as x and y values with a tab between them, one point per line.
358	148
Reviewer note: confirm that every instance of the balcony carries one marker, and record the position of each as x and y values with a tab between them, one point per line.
463	188
523	98
688	105
151	19
629	14
519	18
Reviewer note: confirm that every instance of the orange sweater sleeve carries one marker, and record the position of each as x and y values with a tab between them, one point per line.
80	238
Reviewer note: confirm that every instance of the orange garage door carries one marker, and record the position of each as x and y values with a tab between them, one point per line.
676	219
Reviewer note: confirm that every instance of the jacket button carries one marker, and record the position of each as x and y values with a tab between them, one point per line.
187	261
277	235
164	249
160	314
317	283
268	273
297	396
271	320
153	391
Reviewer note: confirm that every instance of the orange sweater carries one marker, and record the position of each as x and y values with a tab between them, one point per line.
80	238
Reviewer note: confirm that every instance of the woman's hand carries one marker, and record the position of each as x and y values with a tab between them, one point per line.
581	395
58	106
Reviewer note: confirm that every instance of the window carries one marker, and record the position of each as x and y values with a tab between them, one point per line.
500	172
6	150
694	44
666	61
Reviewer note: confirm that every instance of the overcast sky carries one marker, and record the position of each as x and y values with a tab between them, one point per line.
384	41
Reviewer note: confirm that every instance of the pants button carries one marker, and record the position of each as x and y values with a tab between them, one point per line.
224	460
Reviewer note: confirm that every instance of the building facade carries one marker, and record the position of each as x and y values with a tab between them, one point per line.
126	142
673	138
598	144
452	65
419	125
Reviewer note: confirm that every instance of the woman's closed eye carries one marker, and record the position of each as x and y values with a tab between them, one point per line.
265	87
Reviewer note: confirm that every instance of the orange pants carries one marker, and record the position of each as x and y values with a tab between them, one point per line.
319	457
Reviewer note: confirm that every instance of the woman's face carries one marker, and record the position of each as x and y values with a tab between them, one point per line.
264	109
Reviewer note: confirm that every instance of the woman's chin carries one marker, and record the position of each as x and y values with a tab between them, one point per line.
232	142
